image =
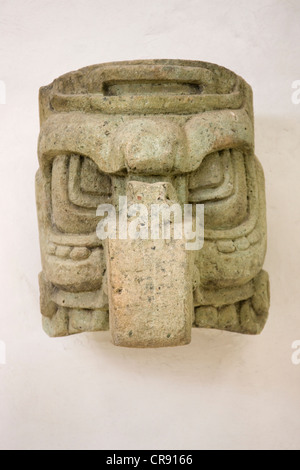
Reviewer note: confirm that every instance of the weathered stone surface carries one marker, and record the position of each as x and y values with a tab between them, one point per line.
154	274
157	132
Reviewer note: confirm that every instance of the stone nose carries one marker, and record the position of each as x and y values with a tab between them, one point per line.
150	146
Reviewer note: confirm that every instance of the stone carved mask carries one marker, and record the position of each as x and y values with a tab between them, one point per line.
155	131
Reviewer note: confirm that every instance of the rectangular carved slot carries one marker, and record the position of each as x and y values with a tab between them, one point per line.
151	88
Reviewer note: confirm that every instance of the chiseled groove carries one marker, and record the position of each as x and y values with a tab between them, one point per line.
248	226
157	72
75	240
75	194
222	192
145	104
80	300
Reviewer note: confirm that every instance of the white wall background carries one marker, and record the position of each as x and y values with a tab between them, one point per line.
224	391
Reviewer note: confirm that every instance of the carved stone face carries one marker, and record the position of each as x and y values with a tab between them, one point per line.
174	131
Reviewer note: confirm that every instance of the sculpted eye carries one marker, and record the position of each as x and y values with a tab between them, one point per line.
214	179
78	187
87	186
221	184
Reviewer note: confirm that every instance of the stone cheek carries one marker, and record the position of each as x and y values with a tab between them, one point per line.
164	133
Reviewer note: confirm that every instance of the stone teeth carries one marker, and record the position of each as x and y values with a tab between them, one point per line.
254	237
63	251
81	253
226	246
51	248
228	318
248	319
242	244
206	317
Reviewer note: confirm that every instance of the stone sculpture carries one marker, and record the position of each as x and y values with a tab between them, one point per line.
158	132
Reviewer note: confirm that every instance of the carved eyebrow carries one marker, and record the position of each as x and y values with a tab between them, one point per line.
210	132
92	140
216	131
